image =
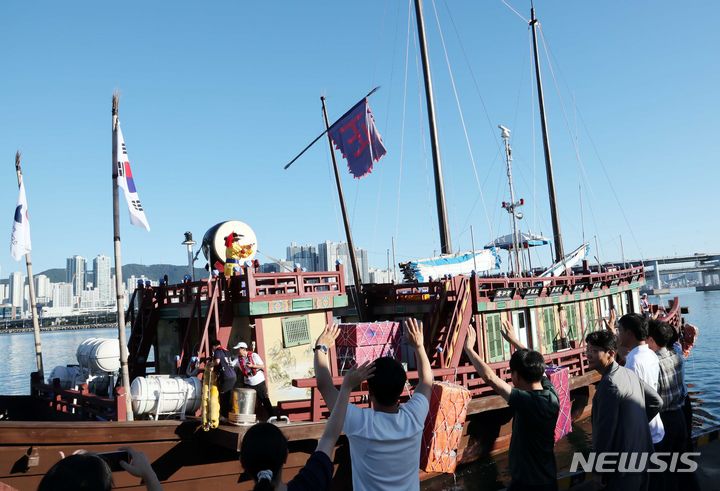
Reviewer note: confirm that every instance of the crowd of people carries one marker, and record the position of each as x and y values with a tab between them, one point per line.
640	406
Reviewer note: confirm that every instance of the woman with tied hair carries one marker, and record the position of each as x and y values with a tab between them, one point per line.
264	448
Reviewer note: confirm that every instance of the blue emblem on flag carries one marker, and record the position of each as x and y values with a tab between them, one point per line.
18	214
357	138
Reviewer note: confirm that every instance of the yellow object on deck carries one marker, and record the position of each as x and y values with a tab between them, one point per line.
210	399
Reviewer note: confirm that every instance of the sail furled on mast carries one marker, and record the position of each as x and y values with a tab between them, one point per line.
126	182
359	141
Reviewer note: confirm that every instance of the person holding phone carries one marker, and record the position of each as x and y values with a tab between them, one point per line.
93	472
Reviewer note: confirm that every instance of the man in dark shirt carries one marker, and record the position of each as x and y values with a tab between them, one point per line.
226	377
535	407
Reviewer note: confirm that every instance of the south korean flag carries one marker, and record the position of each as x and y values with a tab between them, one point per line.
126	182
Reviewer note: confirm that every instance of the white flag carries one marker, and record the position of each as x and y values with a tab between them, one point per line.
20	238
126	182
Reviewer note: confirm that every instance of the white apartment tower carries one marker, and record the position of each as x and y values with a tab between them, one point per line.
101	267
75	274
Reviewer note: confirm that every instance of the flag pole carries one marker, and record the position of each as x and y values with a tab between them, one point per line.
119	289
346	222
31	287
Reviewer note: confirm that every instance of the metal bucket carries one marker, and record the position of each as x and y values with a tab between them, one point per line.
242	410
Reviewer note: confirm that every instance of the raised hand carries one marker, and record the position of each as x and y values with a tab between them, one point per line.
139	465
357	375
470	339
328	336
507	331
414	333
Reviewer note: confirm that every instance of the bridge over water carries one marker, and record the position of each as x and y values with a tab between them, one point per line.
708	265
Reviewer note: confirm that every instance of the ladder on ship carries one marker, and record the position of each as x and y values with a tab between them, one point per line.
449	336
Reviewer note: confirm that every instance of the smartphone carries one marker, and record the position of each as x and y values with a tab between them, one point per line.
112	459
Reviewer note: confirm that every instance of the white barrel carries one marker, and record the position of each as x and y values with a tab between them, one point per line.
169	392
69	376
99	355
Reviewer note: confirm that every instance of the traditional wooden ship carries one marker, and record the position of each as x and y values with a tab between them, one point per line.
282	314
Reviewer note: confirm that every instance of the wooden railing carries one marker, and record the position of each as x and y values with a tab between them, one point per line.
249	286
487	287
315	409
81	404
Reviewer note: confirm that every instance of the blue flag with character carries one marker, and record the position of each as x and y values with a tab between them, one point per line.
357	138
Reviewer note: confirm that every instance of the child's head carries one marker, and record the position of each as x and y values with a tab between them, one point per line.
79	472
263	453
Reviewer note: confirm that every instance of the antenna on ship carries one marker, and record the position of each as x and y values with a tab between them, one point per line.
557	236
512	205
31	283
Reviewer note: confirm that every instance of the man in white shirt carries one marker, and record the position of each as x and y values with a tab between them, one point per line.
633	333
252	369
385	439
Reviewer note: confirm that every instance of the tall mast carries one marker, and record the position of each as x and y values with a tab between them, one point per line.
557	236
346	221
445	244
31	289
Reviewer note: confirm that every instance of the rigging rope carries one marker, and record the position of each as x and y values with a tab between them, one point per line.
462	119
526	21
402	126
597	153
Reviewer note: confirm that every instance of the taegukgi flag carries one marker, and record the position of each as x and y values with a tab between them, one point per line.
357	138
126	182
20	238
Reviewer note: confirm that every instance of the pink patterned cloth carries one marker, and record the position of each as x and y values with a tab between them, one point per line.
560	378
368	333
367	341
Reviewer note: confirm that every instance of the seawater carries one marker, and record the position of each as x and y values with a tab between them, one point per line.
58	348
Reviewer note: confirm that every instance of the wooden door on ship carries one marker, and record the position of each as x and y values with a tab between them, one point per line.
521	327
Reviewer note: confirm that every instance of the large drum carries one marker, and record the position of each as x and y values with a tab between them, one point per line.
213	243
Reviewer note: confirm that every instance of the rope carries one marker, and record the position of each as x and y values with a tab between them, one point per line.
526	21
462	119
402	126
597	153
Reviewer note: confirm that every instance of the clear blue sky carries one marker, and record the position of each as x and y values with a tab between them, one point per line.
218	96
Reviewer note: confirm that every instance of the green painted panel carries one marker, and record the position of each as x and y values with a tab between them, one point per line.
531	303
501	305
340	301
302	304
259	308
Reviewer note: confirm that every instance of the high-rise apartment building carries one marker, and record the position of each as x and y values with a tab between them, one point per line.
43	292
62	295
75	272
102	277
304	255
17	282
329	252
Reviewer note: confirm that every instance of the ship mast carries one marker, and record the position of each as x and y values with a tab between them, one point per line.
557	236
445	244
